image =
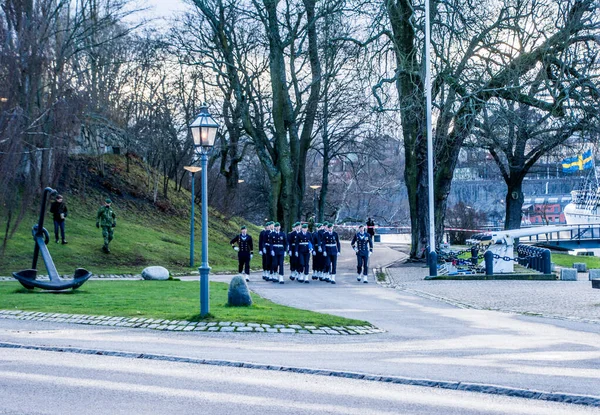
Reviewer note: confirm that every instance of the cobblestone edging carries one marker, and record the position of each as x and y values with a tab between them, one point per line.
182	325
94	277
585	400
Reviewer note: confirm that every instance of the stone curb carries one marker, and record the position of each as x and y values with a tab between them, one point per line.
585	400
177	325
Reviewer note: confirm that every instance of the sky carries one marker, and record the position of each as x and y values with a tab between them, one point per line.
162	9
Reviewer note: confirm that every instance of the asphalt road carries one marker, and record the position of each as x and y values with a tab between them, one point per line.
34	382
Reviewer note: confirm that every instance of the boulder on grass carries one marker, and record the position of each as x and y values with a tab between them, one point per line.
238	294
155	273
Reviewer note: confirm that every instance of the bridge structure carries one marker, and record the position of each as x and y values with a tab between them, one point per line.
584	236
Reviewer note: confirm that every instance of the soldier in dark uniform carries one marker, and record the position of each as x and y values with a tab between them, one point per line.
291	237
265	251
320	252
245	250
316	244
302	252
363	246
331	251
279	247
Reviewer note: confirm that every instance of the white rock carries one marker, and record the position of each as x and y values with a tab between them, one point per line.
155	273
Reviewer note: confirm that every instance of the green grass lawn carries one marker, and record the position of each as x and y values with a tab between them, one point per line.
566	260
172	300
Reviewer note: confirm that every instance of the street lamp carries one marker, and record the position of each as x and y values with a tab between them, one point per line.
315	187
204	130
193	170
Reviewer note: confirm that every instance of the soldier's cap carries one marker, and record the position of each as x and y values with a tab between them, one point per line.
304	225
330	225
243	227
277	224
108	201
296	224
325	224
361	226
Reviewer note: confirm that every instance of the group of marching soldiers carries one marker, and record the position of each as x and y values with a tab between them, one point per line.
323	244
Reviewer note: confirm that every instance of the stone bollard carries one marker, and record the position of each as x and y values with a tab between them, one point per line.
580	266
488	257
546	262
432	258
594	274
568	274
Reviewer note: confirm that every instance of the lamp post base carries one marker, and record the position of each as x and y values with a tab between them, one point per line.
204	297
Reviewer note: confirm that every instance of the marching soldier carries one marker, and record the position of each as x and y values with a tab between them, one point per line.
302	252
320	253
291	237
279	247
264	250
245	250
106	219
363	246
331	251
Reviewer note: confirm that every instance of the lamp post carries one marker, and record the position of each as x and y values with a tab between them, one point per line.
204	130
432	254
315	187
193	170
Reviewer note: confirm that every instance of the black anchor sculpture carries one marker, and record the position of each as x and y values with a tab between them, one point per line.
27	277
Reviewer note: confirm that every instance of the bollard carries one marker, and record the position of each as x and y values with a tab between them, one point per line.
433	264
489	262
546	262
474	253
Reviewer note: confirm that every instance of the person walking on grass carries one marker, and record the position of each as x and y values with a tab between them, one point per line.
243	245
108	221
59	211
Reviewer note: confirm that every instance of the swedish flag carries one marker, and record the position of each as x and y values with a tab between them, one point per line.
581	162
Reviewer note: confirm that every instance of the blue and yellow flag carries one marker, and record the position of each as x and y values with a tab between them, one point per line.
581	162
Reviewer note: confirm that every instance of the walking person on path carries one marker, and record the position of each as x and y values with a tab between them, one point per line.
108	221
243	245
363	246
291	238
371	227
331	250
264	250
59	211
302	252
279	247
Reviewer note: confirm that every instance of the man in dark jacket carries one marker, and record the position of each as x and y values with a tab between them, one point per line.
59	211
330	243
363	246
279	247
242	243
302	250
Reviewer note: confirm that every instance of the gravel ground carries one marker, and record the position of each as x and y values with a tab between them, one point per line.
575	300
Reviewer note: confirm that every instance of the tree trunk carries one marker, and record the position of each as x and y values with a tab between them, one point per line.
514	204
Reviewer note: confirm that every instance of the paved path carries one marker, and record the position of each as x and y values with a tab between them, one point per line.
424	339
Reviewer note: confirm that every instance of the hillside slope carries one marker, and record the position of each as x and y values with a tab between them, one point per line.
147	233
